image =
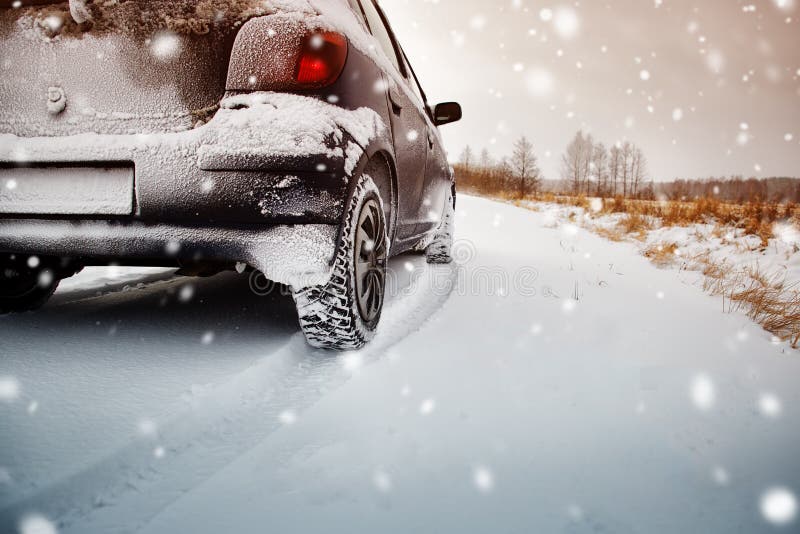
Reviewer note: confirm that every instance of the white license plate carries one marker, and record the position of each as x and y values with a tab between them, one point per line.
66	190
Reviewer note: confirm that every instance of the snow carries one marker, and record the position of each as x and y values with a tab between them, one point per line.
472	411
165	45
186	17
77	190
258	110
247	130
287	124
566	22
697	243
779	506
9	388
166	27
36	524
135	18
80	11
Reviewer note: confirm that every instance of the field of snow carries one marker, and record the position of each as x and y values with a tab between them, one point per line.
551	381
722	245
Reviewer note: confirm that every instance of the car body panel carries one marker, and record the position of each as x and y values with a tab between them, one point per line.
109	83
409	131
298	255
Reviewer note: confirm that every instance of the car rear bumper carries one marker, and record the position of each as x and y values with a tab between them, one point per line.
296	255
170	185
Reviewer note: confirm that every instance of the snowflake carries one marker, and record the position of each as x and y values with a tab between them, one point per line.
779	506
703	393
483	478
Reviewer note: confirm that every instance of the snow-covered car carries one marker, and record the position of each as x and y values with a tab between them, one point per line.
289	137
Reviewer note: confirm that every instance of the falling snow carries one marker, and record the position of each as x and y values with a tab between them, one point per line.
483	479
703	393
37	524
779	506
9	388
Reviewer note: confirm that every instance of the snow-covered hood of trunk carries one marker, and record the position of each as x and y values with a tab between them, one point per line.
133	66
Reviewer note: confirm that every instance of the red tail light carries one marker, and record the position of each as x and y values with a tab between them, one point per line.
322	59
279	54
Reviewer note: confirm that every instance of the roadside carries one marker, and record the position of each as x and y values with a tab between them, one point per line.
753	265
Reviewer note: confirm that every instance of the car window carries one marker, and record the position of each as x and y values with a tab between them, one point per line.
380	32
413	83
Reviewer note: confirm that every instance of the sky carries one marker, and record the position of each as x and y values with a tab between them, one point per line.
704	87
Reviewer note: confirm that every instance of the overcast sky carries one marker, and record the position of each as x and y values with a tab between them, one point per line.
705	87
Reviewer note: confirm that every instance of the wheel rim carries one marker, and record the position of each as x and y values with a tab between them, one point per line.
370	261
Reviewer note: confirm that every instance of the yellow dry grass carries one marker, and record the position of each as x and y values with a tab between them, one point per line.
635	224
753	218
767	298
662	254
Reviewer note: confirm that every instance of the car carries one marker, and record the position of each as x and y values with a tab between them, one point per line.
288	138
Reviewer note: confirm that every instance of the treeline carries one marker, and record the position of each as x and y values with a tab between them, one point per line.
592	169
736	189
517	176
589	168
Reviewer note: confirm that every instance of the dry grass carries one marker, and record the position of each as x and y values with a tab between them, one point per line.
766	298
612	234
753	218
662	254
635	224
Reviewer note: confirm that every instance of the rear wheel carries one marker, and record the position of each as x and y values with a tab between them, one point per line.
344	313
25	284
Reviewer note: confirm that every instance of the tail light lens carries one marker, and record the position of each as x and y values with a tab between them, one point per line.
322	59
275	53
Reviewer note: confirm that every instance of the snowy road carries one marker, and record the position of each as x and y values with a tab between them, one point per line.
563	385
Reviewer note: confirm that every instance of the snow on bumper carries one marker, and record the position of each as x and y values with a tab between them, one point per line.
286	126
235	167
298	255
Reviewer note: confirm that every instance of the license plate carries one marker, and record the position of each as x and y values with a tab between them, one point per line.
66	190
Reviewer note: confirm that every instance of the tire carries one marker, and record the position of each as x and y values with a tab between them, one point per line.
440	248
23	288
344	313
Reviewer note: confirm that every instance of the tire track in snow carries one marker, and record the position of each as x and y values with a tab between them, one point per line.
222	423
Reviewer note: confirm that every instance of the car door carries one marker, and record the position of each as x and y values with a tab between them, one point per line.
409	129
438	180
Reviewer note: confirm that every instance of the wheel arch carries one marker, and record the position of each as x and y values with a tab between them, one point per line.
378	162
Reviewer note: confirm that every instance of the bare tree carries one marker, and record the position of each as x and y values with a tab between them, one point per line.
571	162
586	169
627	156
638	170
615	167
576	162
485	161
600	168
467	158
524	168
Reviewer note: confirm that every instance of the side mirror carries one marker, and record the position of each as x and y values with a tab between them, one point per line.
446	113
